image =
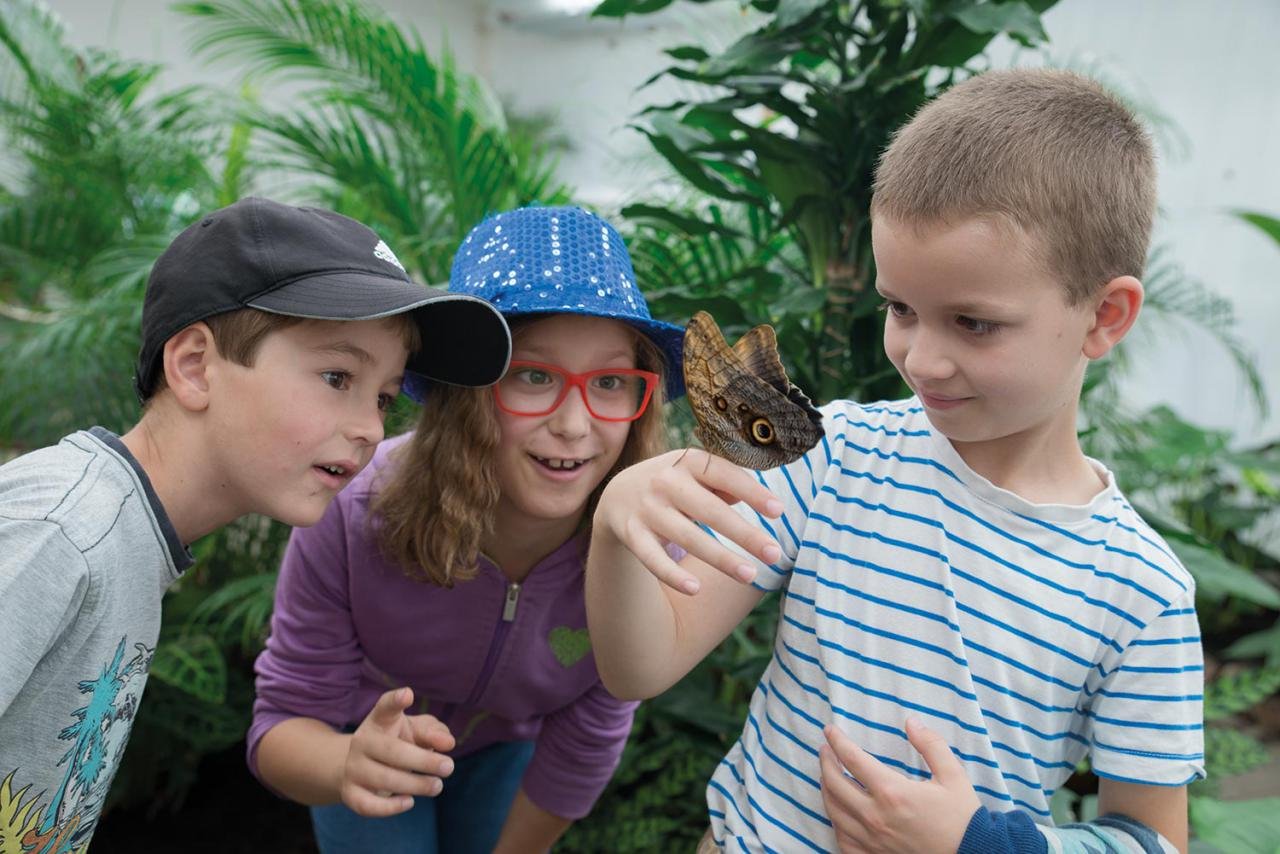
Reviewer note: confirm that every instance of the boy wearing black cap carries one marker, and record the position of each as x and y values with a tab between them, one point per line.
273	340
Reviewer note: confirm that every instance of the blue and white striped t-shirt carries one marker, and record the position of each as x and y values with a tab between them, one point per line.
1029	636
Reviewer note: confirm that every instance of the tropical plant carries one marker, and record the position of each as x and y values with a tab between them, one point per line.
99	170
379	128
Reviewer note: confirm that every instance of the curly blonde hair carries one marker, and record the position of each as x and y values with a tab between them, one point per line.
434	508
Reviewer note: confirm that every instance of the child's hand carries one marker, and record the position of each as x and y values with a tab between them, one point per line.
890	812
660	500
393	756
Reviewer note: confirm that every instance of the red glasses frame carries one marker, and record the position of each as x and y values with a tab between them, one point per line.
579	381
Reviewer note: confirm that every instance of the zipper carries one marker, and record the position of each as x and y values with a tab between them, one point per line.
513	599
509	603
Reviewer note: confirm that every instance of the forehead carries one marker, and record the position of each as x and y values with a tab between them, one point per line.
572	333
973	255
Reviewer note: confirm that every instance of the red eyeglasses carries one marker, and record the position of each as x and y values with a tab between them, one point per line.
611	394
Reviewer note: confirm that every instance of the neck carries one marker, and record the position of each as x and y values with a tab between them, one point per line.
518	545
169	450
1043	466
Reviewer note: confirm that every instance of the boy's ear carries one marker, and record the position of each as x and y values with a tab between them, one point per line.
1115	310
187	356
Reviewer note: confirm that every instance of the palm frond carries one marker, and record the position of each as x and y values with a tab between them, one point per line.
427	127
1179	299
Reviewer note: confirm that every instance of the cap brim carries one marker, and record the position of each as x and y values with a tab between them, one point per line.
465	340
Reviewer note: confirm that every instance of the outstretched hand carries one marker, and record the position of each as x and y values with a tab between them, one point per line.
881	810
665	499
394	756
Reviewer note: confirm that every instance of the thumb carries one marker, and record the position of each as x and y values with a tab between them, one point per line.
389	708
935	751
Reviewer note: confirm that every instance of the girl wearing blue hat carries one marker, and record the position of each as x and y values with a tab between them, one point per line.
429	684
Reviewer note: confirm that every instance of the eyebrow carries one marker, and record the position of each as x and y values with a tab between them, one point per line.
605	357
967	308
346	348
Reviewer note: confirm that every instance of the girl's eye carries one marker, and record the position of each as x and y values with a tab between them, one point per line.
385	401
977	327
533	376
340	380
897	309
609	382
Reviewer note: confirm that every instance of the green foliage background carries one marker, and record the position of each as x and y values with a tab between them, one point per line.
771	163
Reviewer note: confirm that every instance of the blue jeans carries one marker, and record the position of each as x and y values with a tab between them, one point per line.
466	818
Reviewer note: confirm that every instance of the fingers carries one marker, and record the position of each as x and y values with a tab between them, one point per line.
430	733
386	713
730	482
383	772
844	800
936	753
671	503
865	768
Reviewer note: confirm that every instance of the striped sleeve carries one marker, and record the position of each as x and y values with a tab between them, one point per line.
1147	716
1015	833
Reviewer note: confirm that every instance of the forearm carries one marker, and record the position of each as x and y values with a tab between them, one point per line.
303	759
529	828
631	621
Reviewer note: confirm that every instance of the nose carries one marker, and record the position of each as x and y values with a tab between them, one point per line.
927	358
366	425
571	420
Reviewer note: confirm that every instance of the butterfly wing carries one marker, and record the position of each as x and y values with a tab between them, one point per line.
746	408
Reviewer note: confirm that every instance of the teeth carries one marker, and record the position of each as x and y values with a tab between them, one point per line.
338	470
559	463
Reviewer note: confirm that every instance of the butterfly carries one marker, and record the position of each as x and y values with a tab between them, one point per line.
747	410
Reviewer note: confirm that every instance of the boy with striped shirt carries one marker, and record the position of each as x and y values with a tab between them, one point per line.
971	605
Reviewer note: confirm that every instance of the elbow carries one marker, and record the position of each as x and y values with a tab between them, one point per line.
629	685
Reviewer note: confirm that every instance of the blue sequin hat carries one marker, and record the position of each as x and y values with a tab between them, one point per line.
560	260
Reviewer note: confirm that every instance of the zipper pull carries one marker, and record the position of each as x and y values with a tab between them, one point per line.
513	598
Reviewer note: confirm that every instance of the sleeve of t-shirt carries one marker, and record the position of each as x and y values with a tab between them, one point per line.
796	485
310	666
1147	717
43	583
577	751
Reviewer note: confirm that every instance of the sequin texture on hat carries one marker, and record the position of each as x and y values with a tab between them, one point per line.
560	260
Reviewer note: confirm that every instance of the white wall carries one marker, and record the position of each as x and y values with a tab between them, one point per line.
1210	67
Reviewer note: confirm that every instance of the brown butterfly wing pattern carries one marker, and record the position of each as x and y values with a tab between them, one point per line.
747	410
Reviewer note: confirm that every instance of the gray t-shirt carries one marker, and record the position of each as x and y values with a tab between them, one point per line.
86	553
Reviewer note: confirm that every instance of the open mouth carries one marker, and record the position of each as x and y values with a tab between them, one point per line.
336	471
558	464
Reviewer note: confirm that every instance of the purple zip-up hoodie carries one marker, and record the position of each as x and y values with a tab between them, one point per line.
495	661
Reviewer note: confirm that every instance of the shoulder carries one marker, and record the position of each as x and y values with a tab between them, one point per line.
882	432
79	486
1139	552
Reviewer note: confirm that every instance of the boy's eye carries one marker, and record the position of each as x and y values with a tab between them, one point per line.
336	379
977	327
897	309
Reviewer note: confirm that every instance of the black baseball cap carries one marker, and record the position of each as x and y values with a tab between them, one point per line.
313	263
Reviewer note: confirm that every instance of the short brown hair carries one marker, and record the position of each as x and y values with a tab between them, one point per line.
238	335
434	506
1049	151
